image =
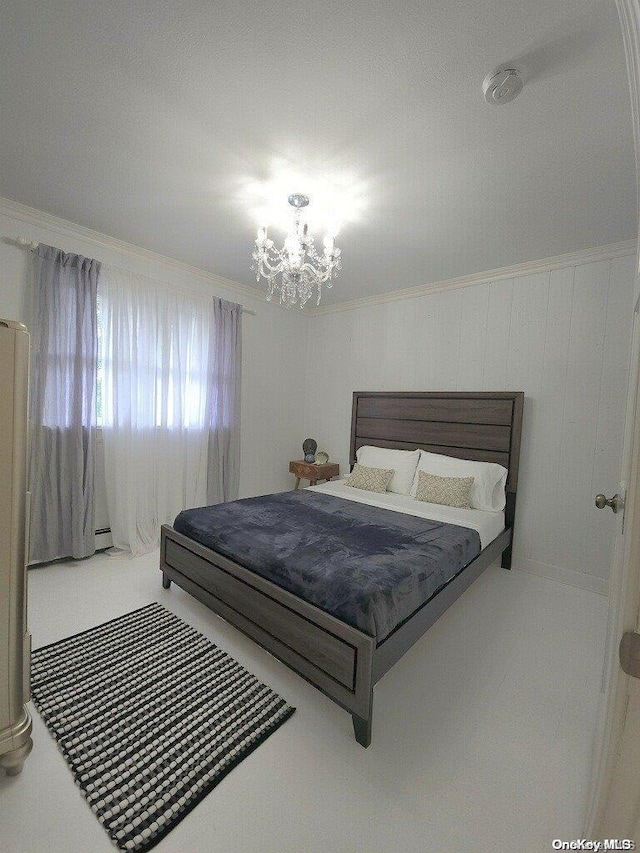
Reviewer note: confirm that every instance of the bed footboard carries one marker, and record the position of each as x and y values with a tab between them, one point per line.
333	656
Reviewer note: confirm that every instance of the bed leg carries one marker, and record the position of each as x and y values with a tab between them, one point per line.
362	730
506	558
166	582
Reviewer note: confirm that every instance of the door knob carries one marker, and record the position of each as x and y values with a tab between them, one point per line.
616	502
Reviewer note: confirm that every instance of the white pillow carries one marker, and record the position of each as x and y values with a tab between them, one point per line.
403	463
487	492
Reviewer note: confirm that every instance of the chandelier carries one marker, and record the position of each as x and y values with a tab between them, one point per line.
297	267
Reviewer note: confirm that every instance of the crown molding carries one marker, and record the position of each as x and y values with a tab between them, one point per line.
65	228
585	256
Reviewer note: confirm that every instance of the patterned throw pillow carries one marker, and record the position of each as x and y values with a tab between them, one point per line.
448	491
369	479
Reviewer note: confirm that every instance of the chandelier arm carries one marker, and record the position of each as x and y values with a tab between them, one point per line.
272	270
318	274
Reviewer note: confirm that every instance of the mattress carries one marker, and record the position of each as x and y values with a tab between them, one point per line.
364	564
488	524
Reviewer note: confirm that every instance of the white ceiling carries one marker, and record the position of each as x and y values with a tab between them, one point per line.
153	121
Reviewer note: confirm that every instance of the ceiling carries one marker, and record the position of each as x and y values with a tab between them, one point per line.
160	123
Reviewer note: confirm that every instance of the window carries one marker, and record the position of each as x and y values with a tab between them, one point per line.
154	360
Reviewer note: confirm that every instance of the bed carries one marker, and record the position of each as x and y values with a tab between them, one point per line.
337	655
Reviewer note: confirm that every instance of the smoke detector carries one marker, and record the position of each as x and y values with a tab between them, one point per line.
502	85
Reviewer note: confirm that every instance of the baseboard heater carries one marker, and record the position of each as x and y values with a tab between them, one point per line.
103	538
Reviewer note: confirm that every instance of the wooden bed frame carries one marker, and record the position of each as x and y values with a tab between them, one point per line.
341	661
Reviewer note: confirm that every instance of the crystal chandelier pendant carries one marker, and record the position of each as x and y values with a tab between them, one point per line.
297	268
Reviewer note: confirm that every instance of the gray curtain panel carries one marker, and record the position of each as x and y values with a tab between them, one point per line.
225	368
63	405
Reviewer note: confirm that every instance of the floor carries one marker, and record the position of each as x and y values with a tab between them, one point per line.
481	738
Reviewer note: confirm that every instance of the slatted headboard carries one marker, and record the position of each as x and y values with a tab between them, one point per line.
485	426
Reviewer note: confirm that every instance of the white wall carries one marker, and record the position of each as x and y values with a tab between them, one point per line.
274	341
562	337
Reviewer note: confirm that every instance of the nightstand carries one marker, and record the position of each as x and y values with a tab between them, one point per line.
309	471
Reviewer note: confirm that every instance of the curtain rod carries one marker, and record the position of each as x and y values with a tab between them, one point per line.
25	243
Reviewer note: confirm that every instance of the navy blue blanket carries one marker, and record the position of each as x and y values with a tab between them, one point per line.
367	566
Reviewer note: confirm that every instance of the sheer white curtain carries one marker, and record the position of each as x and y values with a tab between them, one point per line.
158	349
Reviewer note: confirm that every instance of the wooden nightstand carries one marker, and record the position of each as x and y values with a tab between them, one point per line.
308	471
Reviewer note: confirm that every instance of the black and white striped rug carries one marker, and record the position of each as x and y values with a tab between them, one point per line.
150	716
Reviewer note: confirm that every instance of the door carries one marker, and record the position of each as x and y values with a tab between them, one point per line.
614	807
615	798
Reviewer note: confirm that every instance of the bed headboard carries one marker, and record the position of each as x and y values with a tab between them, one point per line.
484	425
